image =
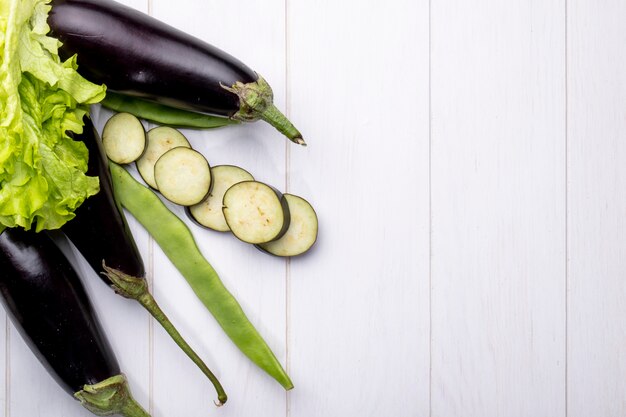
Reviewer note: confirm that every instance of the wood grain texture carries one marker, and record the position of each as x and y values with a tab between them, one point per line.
597	208
498	208
358	86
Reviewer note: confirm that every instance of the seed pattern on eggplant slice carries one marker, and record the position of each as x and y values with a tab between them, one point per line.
255	212
183	176
124	138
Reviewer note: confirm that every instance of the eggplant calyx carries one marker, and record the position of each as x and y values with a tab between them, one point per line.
256	101
111	396
125	285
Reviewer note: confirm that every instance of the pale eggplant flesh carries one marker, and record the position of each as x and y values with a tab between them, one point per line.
256	212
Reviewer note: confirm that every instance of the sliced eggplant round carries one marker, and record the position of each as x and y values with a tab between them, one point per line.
302	231
183	176
123	138
255	212
159	140
208	213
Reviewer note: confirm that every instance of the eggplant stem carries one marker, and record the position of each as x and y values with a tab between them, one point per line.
137	289
153	308
274	117
256	101
111	396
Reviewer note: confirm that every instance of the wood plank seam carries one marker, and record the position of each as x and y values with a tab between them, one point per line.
566	211
7	368
430	218
287	189
151	320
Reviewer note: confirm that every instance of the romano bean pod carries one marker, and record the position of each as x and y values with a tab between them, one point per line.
178	244
164	115
136	55
101	234
49	307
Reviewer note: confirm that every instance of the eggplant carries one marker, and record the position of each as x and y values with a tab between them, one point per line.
101	234
48	305
137	55
100	231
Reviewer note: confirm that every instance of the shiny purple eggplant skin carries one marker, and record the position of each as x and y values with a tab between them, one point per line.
137	55
49	306
100	231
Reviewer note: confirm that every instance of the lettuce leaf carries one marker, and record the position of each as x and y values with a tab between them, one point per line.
42	101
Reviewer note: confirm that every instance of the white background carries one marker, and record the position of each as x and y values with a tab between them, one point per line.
467	161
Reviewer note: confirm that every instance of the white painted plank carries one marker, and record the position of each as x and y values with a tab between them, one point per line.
498	208
124	321
597	212
254	33
358	305
4	376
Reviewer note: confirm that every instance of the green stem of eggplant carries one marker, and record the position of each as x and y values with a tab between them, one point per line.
256	101
137	289
274	117
148	302
111	396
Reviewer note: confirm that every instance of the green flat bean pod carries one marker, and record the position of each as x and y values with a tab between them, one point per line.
177	242
164	115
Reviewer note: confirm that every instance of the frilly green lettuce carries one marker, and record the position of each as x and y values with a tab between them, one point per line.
42	170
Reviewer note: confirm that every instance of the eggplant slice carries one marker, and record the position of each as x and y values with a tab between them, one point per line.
255	212
183	176
124	138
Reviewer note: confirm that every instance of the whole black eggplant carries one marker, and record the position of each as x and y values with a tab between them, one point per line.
50	308
101	234
99	230
137	55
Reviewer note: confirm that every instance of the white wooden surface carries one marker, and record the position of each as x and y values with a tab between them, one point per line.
597	208
498	208
468	166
